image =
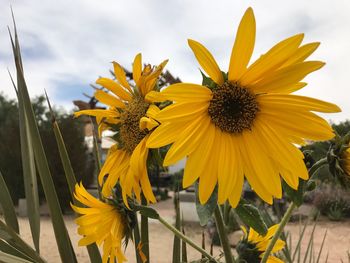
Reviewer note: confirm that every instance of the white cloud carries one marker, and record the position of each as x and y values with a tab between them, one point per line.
67	44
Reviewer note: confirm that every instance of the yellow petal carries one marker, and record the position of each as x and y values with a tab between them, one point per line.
109	100
148	123
121	76
139	157
294	102
207	61
250	173
101	113
208	179
152	111
147	188
150	80
243	47
114	87
187	141
302	53
182	111
182	92
137	68
274	58
164	134
196	164
286	77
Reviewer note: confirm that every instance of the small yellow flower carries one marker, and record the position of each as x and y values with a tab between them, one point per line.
253	246
130	115
100	223
244	123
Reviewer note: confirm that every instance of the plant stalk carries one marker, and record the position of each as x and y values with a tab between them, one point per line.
280	228
223	235
317	166
186	239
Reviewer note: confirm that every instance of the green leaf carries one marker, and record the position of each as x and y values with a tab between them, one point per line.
208	82
62	238
251	216
9	249
297	196
4	257
206	211
93	251
7	206
147	211
10	236
29	173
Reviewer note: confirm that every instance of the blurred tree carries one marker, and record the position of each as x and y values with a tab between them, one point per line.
10	152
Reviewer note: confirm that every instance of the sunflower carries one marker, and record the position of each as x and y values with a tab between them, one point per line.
243	123
130	116
100	223
252	246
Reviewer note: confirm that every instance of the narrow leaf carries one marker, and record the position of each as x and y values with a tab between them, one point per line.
7	206
321	248
12	237
9	249
93	251
62	238
29	175
4	257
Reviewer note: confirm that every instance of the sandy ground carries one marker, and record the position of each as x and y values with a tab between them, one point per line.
337	242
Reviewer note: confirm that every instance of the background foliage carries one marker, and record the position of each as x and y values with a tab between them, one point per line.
73	133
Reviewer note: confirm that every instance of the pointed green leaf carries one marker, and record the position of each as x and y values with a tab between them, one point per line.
29	174
206	211
10	236
8	208
251	216
62	238
4	257
9	249
93	251
147	211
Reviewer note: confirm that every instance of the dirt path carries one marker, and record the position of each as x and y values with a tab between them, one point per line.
337	242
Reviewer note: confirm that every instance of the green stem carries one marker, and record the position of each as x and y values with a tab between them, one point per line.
317	166
144	232
137	240
277	234
223	235
186	239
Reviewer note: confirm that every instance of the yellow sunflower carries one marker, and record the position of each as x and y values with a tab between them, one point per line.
245	122
131	117
100	223
253	246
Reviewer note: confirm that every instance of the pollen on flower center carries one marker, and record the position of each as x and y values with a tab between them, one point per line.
130	132
233	108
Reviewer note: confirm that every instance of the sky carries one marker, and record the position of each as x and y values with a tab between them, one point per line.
67	44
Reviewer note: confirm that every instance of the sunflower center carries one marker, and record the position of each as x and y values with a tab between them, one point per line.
130	132
233	108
